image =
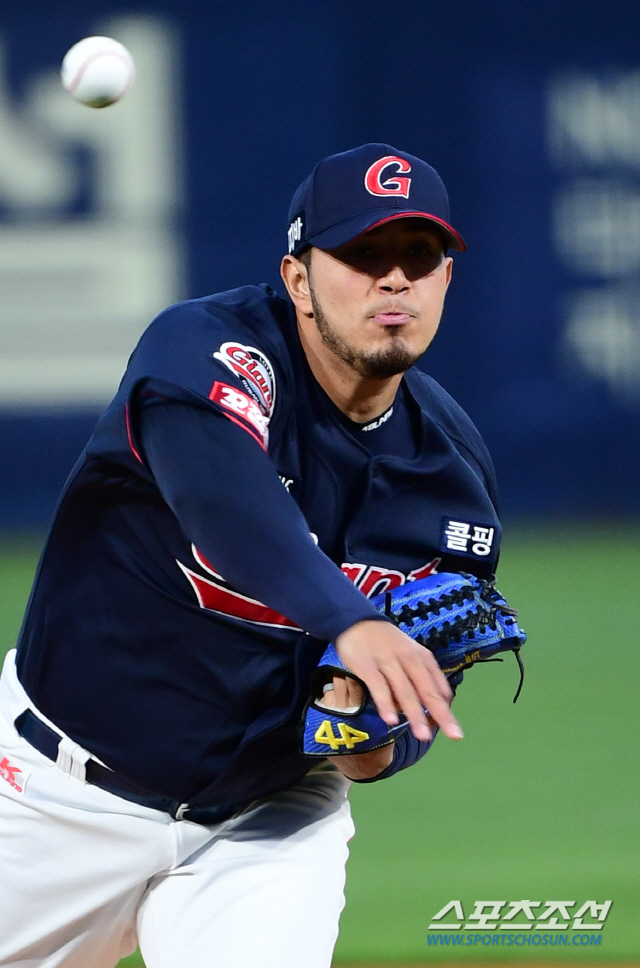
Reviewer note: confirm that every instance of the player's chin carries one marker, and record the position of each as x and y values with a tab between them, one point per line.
414	337
392	357
382	366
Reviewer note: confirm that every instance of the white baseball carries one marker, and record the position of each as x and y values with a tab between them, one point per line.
97	71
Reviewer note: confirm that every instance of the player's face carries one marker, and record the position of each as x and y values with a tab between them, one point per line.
377	301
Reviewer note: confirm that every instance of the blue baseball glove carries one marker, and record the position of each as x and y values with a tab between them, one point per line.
460	618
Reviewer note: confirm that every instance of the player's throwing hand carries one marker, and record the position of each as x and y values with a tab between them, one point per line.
401	676
371	674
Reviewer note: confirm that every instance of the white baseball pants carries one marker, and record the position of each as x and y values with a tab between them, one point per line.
85	876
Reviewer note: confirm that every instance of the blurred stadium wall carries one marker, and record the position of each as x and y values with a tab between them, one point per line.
530	111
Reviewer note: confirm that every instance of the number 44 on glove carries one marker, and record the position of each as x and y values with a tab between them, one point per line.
461	619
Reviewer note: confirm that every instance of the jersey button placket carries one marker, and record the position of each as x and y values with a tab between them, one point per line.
374	470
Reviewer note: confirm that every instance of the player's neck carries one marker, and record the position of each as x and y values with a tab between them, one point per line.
362	399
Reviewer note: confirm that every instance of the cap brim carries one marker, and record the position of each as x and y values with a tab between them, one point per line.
357	225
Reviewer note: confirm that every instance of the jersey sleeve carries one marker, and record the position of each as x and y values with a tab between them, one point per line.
225	353
225	492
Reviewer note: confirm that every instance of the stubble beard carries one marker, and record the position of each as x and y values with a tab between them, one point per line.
379	365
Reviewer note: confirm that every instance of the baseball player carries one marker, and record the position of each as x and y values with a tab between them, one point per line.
267	466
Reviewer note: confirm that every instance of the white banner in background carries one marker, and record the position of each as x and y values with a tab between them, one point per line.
594	141
77	291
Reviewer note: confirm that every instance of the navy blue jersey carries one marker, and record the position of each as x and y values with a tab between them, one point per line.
224	522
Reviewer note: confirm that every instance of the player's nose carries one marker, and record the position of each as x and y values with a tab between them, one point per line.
394	280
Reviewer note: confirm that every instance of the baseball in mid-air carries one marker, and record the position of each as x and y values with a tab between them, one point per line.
98	71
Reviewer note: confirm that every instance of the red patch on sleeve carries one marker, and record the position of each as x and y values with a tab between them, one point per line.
243	406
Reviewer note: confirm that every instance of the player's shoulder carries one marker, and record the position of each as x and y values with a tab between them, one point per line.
229	350
452	419
440	405
256	311
232	327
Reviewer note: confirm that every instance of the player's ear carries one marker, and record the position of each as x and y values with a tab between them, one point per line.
295	276
448	268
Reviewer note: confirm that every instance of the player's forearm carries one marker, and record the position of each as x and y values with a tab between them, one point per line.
229	501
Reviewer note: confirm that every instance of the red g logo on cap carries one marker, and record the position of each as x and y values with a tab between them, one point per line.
399	185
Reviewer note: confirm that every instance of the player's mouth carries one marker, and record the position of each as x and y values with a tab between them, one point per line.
392	319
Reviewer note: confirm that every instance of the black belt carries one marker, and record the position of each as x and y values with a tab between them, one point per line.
46	741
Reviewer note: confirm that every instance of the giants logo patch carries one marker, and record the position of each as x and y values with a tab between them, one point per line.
398	185
244	407
255	372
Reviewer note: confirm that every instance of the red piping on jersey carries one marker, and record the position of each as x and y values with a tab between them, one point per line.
432	218
129	436
213	596
244	427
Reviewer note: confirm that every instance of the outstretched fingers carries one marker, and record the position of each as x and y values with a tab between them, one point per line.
401	677
435	694
381	693
418	687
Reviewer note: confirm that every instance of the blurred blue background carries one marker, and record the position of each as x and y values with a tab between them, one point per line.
531	112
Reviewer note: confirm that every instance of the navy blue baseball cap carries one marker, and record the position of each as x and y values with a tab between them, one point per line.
355	191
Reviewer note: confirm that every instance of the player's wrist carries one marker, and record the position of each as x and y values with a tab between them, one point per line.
365	766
